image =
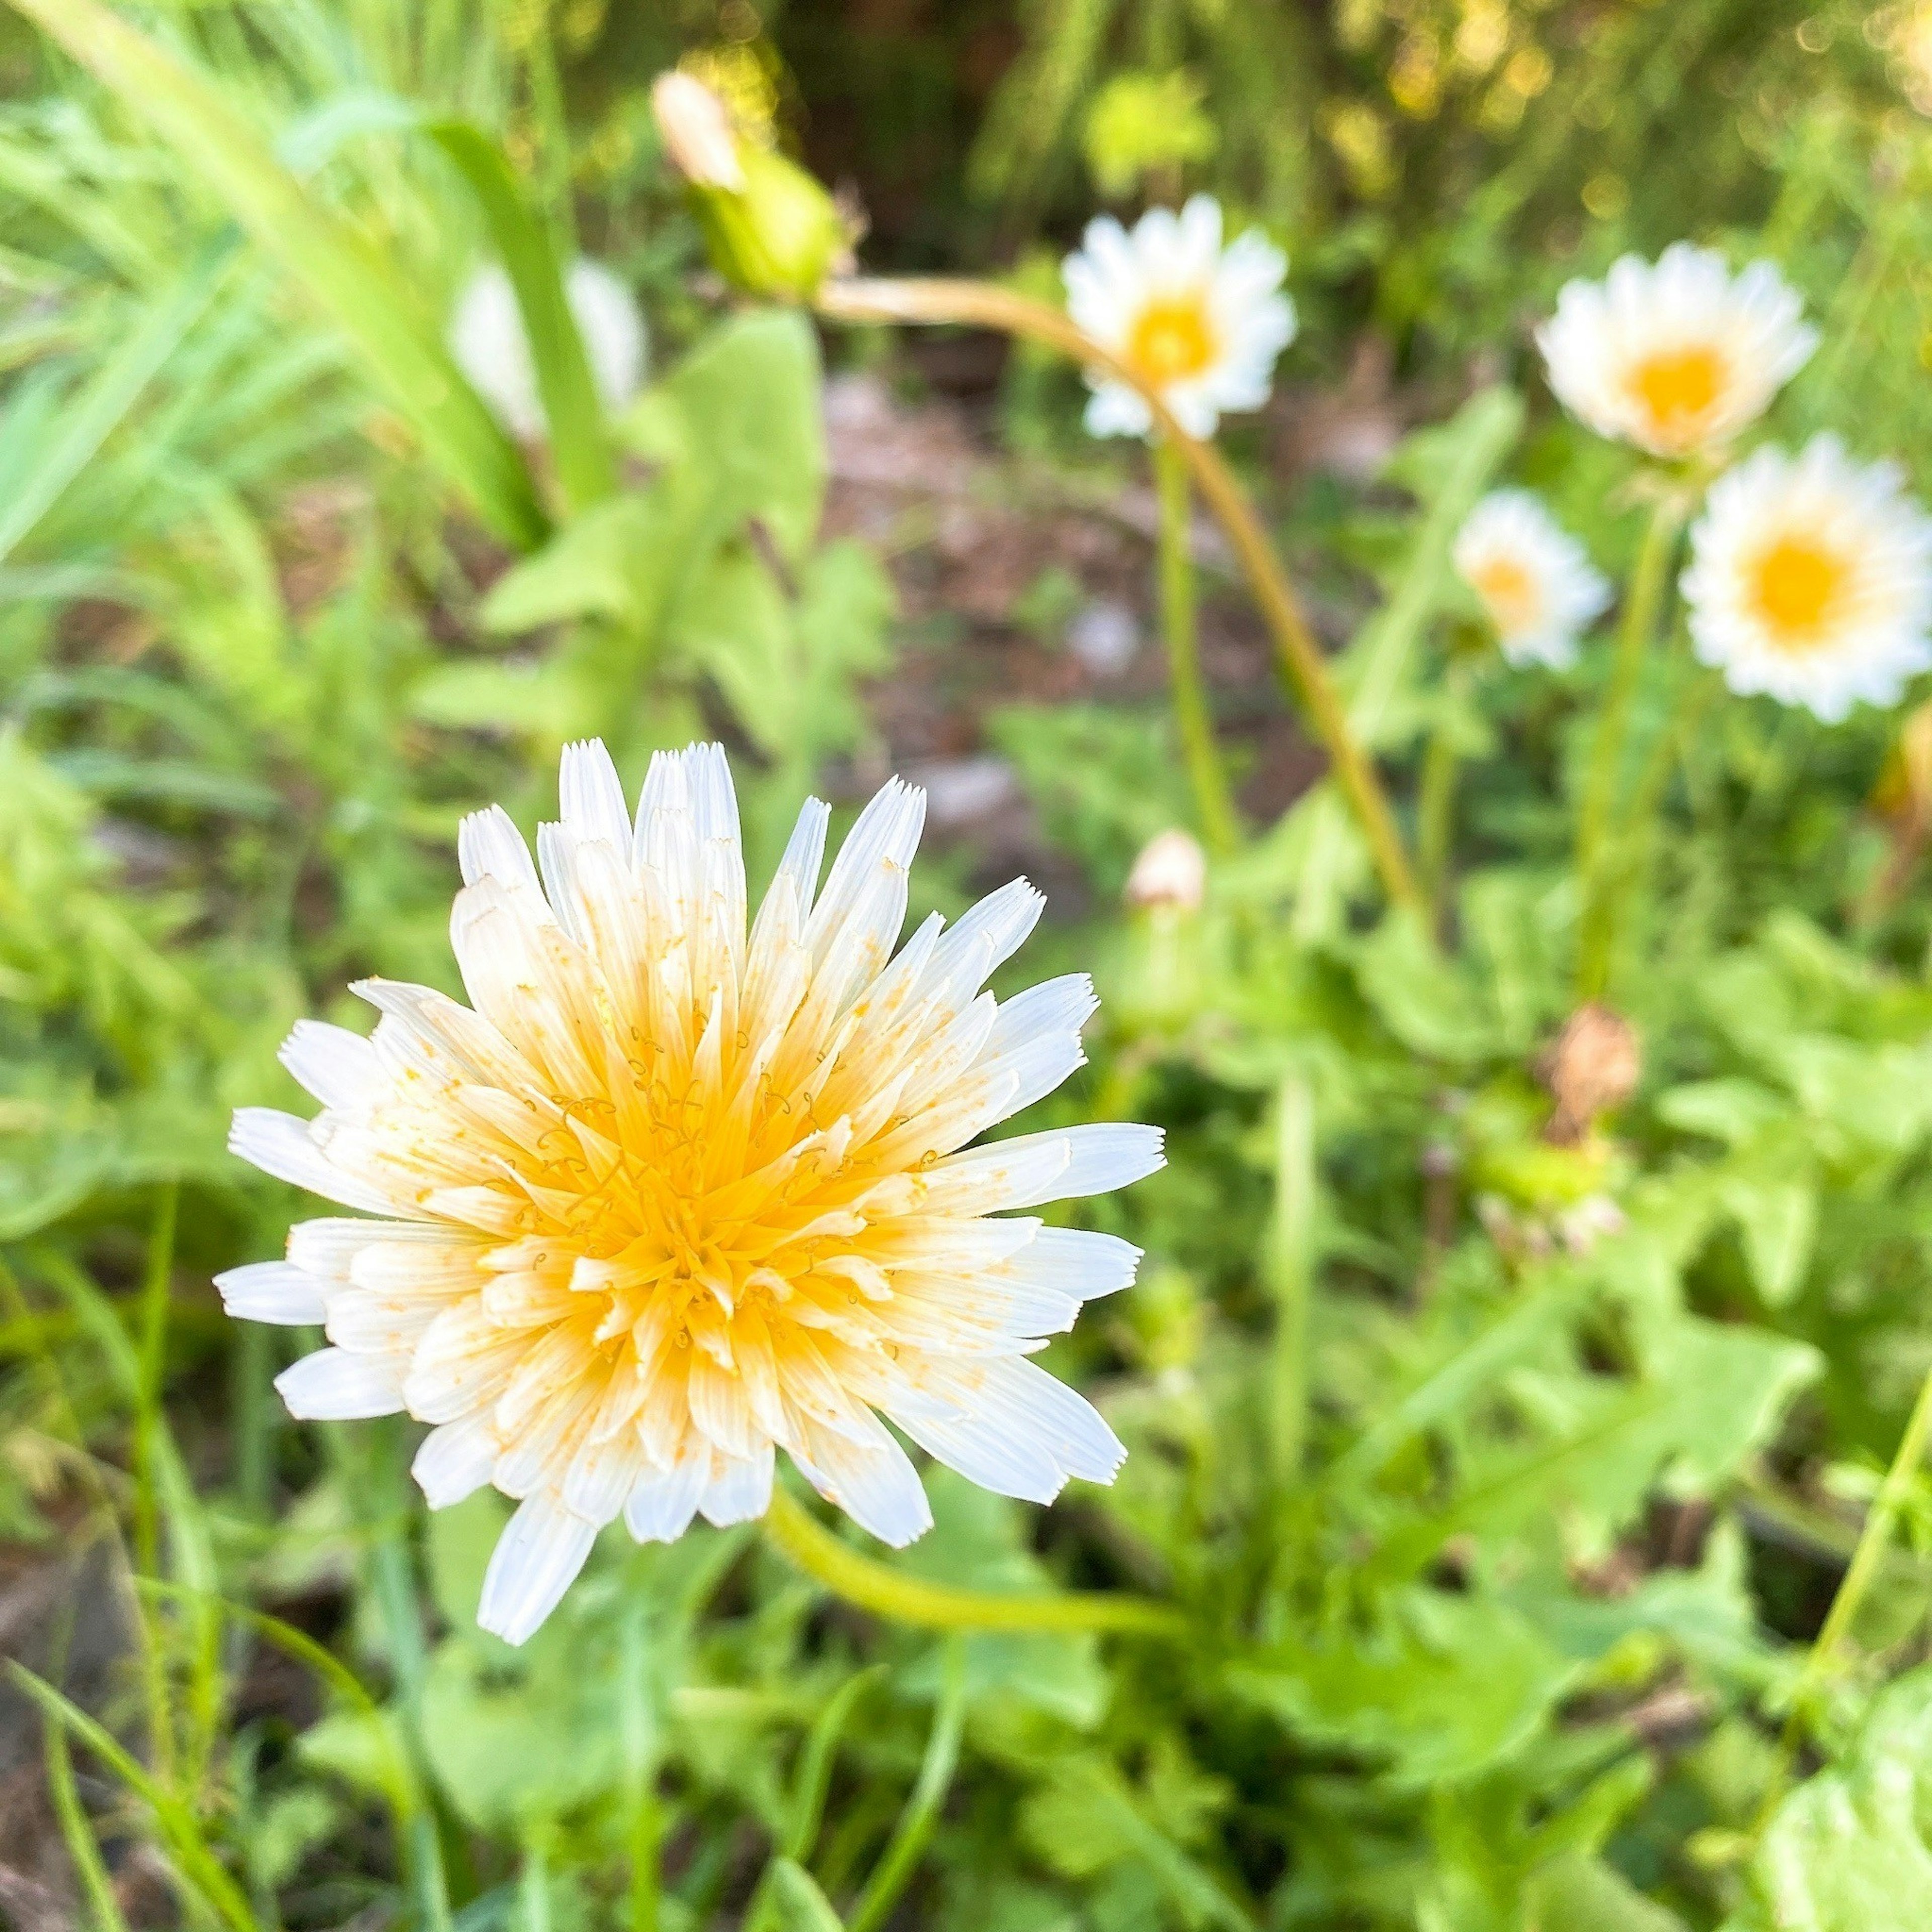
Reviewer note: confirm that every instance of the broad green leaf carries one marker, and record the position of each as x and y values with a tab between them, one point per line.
1426	999
593	567
347	278
1443	1687
1851	1850
1731	1111
1578	1893
1778	1221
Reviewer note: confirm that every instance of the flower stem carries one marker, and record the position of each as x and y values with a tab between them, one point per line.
1212	802
910	1599
1435	808
984	305
1866	1555
1597	931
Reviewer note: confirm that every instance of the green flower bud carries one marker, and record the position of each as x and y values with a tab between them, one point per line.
769	228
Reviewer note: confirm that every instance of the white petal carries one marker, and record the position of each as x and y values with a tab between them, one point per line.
331	1385
1029	1168
738	1491
454	1461
1074	1261
340	1068
876	1486
536	1559
661	1505
271	1291
279	1143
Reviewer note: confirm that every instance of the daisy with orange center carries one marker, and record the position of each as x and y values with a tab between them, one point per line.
1675	356
1201	325
671	1194
1810	579
1534	579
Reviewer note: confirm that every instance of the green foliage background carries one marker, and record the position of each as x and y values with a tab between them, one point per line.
1494	1551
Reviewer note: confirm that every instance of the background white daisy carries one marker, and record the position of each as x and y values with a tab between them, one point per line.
1678	355
1202	324
1534	579
487	339
1810	579
672	1196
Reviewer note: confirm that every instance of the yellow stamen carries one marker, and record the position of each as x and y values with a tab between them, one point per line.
1678	387
1796	584
1510	591
1172	339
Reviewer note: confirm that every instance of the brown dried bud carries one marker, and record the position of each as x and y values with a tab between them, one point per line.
1591	1070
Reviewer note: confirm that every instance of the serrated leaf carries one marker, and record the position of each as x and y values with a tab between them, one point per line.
1851	1850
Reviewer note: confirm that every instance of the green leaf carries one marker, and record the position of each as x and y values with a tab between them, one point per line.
1443	1687
1851	1850
1578	1893
347	278
592	567
802	1906
1425	998
578	441
1778	1221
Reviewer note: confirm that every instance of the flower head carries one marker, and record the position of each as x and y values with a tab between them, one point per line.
1678	355
1534	578
669	1195
696	131
491	347
1810	578
1201	325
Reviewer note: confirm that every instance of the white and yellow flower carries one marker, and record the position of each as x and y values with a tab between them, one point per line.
669	1196
491	347
1810	579
1201	324
1534	579
1675	356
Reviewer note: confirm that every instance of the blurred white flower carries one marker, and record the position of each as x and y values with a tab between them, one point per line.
670	1197
1811	579
486	337
1675	356
696	131
1201	325
1534	578
1170	871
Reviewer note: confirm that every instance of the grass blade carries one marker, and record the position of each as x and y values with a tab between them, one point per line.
350	280
584	466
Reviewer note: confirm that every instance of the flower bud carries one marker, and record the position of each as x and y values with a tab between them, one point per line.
1171	870
769	228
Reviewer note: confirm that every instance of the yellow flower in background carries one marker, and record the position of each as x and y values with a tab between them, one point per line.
1534	579
1201	324
1678	355
672	1195
1810	579
488	338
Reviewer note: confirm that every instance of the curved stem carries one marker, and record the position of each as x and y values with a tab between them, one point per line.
1596	931
1213	802
983	305
1867	1554
910	1599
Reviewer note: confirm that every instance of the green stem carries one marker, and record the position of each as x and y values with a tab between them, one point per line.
1436	807
638	1735
910	1599
1645	597
941	299
915	1829
1214	803
1867	1556
1291	1258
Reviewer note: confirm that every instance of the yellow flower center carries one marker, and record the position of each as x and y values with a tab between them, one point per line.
1678	387
1795	585
1172	339
1510	591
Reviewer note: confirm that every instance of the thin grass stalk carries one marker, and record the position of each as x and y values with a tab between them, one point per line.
886	1592
983	305
1596	938
1290	1270
637	1734
920	1818
1193	718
